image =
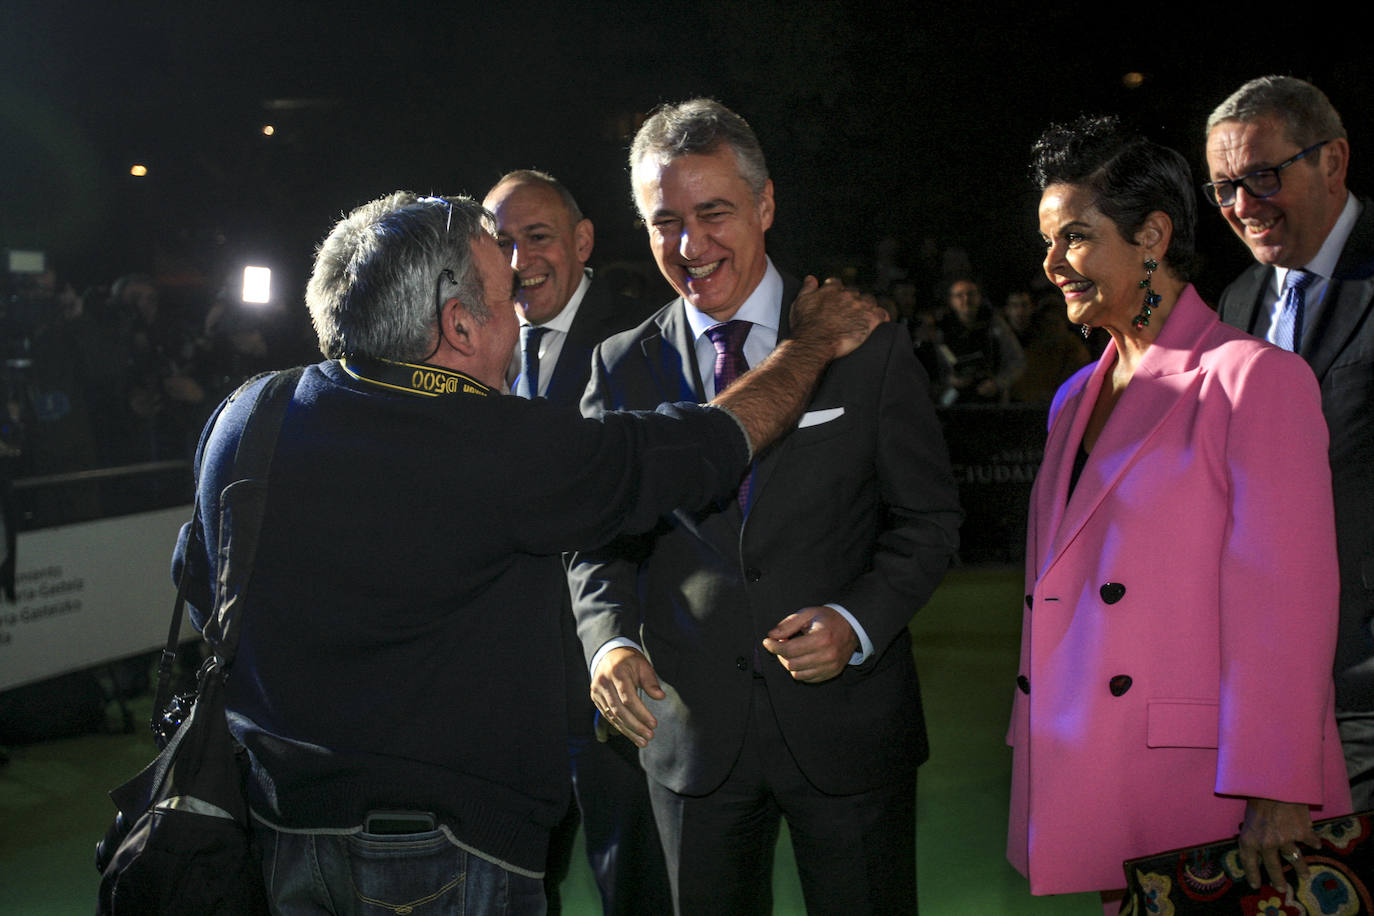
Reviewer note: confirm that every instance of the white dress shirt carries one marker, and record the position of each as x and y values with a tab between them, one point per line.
1321	267
762	308
555	333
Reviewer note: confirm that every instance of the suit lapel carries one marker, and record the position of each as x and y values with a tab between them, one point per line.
588	329
1340	321
1167	376
1061	446
1353	298
675	376
765	463
1250	288
671	358
564	387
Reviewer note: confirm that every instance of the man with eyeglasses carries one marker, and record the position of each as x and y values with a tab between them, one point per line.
1277	155
399	681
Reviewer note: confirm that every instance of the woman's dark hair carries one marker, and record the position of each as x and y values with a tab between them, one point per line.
1129	177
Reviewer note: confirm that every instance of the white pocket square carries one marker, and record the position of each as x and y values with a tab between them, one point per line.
817	417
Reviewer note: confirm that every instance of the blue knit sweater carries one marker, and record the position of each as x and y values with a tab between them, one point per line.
400	645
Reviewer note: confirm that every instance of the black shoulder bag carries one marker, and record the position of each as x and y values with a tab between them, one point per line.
182	842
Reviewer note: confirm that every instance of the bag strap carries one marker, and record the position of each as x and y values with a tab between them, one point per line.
163	694
258	442
242	505
252	458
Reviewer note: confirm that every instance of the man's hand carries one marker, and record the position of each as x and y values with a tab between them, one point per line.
827	323
1270	837
616	683
832	314
814	644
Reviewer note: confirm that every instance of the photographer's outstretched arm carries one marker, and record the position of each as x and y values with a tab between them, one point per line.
828	321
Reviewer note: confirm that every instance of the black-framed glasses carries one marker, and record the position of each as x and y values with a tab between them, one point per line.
1259	184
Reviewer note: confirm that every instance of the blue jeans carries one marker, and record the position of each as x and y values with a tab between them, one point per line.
364	874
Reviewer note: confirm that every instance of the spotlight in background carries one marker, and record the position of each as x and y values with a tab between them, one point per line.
138	170
257	285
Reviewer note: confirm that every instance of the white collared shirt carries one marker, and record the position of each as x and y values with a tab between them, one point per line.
1321	267
762	308
556	332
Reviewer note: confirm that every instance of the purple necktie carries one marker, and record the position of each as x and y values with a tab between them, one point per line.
728	339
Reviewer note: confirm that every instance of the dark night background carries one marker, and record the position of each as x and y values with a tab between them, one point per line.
913	122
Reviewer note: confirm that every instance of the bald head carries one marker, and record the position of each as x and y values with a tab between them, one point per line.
542	230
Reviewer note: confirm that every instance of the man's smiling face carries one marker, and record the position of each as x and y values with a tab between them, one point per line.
1287	228
706	227
546	248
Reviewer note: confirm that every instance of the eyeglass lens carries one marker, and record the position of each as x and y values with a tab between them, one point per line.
1264	183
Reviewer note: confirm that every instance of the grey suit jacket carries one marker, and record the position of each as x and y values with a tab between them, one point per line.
1340	350
859	510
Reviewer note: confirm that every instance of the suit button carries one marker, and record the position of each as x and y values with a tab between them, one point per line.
1112	592
753	574
1029	601
742	663
1119	684
1023	682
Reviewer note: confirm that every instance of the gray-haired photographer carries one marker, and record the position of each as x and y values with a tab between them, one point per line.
398	681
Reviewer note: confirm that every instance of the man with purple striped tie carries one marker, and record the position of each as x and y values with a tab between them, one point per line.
758	652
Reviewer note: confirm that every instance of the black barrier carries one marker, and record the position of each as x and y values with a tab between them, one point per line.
995	452
81	496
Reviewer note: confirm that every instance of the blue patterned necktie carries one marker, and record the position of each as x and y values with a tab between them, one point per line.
1288	324
527	386
728	339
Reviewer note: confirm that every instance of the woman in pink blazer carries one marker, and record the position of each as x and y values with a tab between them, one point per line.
1180	615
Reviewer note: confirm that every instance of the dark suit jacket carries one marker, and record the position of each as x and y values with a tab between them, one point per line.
1340	350
603	312
859	510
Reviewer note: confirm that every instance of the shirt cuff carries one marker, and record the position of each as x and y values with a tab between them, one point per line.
610	644
865	644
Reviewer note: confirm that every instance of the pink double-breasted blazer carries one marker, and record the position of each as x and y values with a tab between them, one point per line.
1180	617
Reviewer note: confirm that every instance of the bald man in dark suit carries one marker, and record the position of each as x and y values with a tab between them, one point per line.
549	241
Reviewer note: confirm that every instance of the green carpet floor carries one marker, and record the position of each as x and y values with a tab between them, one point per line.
53	805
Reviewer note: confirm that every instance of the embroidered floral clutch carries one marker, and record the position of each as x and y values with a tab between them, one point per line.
1209	878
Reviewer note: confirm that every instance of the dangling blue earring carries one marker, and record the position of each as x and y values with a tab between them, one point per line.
1152	298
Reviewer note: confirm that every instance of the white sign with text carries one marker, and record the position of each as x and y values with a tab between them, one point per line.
90	593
